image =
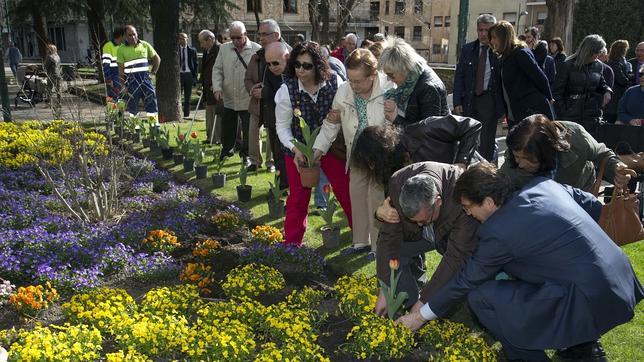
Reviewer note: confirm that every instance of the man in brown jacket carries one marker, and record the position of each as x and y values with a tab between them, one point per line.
430	219
210	48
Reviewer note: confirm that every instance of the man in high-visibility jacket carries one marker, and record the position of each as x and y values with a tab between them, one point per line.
110	66
133	59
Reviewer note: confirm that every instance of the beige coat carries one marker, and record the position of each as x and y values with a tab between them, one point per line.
344	102
228	75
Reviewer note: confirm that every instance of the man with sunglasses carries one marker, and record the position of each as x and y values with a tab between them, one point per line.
228	76
269	32
430	219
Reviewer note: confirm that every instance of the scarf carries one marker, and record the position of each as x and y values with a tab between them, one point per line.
401	93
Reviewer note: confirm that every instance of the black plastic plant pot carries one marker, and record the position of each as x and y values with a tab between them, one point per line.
167	153
178	159
244	192
201	171
219	180
188	165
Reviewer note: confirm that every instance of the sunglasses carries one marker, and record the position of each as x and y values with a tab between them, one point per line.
306	66
274	64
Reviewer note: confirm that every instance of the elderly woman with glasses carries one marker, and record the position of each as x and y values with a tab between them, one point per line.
358	104
310	87
419	94
580	89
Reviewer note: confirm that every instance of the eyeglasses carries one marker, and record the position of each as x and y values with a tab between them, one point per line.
266	34
273	64
306	66
235	37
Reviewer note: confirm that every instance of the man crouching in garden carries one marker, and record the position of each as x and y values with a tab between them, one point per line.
570	282
430	219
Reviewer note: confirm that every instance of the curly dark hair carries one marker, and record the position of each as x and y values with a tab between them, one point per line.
480	181
379	152
322	70
541	139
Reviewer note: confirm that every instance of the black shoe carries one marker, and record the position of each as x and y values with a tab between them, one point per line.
251	168
589	351
228	154
371	256
271	169
353	250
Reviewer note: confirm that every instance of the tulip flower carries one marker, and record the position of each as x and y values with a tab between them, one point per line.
193	135
182	137
394	264
297	113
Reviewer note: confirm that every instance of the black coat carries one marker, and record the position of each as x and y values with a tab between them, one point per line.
429	98
579	93
526	85
634	65
465	78
207	62
622	81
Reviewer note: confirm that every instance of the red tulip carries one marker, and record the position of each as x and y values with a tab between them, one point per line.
394	264
193	135
182	137
326	189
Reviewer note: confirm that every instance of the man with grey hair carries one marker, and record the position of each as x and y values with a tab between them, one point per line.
477	87
228	85
378	37
210	47
427	218
269	32
347	44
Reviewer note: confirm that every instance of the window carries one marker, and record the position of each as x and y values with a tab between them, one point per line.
448	21
399	31
57	36
290	6
387	7
511	18
250	6
369	32
541	18
374	10
438	21
436	49
400	8
418	6
418	33
386	30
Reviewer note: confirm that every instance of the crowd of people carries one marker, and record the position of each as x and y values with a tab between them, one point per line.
521	242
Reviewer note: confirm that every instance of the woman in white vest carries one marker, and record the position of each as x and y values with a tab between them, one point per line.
358	104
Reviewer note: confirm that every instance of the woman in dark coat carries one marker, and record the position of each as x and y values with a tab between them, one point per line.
580	89
526	89
556	51
420	92
623	71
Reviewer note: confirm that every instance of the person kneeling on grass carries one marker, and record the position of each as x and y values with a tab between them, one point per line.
571	283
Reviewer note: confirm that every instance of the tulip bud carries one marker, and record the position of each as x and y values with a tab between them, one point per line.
193	135
297	113
326	189
182	137
394	264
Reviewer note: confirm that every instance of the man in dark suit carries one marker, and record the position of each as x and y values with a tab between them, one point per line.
570	283
477	93
188	70
637	62
430	219
210	47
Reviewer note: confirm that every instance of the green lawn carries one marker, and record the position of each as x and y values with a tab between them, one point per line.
621	343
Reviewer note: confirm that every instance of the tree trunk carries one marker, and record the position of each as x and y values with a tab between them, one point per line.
41	31
256	3
324	16
559	22
344	15
314	18
165	19
97	34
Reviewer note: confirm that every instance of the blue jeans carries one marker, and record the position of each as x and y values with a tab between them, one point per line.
318	197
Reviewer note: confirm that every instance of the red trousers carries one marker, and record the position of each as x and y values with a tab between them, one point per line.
297	203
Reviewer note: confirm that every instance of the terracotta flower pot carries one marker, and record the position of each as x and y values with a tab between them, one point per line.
201	171
310	176
219	180
244	192
330	237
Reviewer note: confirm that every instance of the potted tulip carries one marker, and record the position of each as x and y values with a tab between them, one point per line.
310	171
219	178
164	143
330	231
394	300
183	147
275	203
201	170
243	191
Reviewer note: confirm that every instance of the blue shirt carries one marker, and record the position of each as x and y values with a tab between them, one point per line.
631	105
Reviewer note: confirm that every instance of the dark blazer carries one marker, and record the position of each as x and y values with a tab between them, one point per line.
454	230
572	283
447	139
429	98
526	85
207	62
634	64
608	73
559	59
465	78
550	69
192	60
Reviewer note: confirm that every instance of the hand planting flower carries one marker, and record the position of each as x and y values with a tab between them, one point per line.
206	248
32	299
253	280
267	234
161	240
198	274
